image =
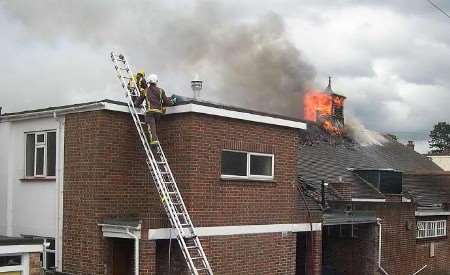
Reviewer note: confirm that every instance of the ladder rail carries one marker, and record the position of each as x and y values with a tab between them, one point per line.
159	179
135	116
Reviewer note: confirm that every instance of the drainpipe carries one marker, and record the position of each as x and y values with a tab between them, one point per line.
379	248
136	249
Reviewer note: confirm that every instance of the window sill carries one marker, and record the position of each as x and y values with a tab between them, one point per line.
227	178
38	179
431	239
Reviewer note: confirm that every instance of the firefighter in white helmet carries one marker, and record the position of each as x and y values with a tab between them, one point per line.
155	101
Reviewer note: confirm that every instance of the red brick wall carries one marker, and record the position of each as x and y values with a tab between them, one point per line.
243	254
402	253
106	176
35	264
213	202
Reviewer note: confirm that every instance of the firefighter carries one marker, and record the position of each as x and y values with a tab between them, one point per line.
140	82
155	101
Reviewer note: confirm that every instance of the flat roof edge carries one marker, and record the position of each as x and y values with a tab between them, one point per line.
193	107
188	107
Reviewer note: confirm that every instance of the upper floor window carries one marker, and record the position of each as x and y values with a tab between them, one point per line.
430	229
40	159
246	165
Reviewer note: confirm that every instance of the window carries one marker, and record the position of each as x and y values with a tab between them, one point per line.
40	159
430	229
48	255
10	260
247	165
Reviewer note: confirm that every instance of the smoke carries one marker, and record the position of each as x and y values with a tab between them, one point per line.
248	62
363	136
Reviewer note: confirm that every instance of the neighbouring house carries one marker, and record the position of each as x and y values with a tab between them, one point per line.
76	176
385	206
441	159
20	256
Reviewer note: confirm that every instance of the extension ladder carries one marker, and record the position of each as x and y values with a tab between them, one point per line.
164	180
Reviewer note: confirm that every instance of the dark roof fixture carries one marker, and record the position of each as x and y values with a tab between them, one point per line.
387	181
328	89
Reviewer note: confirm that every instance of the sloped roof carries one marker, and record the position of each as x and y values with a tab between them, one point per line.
325	158
428	188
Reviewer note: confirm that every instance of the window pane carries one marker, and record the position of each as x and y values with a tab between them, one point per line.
40	138
50	260
260	165
234	163
29	165
51	153
10	260
40	161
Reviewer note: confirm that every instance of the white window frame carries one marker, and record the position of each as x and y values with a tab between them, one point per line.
38	145
431	229
249	176
16	268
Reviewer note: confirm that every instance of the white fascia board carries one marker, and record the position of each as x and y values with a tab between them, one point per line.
25	248
56	112
166	233
208	110
431	213
368	200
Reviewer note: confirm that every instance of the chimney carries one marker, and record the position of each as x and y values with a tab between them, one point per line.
410	144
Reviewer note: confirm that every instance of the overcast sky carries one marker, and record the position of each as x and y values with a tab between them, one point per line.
390	58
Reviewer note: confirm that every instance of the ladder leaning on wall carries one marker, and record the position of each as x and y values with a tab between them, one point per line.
163	178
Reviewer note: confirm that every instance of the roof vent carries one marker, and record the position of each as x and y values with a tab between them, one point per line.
196	85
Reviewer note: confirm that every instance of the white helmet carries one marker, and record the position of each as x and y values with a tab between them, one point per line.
153	78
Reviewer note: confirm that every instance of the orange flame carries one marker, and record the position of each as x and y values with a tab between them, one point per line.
316	102
319	107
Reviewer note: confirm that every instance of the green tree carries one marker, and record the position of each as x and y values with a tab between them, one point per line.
440	138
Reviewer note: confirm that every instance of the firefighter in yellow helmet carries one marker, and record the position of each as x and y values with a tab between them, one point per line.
155	101
140	82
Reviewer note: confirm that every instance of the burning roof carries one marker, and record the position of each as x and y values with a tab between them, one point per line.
325	108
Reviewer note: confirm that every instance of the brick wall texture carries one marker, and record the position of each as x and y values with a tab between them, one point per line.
35	263
105	176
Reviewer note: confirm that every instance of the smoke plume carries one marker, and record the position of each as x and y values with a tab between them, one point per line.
244	61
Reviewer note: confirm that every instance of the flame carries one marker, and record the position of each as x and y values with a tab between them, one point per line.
319	107
316	102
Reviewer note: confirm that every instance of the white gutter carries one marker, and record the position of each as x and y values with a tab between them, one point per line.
417	272
379	247
50	113
136	249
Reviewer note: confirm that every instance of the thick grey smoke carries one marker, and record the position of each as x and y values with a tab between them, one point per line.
245	62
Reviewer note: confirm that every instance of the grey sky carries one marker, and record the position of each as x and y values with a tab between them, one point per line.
390	58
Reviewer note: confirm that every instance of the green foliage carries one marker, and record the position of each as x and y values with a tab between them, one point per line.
440	138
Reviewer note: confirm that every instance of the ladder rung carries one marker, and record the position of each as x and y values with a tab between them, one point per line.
190	247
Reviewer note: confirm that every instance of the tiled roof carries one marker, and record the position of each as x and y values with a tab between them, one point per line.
428	188
324	158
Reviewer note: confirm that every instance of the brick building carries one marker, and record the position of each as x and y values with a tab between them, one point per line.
385	206
236	171
252	182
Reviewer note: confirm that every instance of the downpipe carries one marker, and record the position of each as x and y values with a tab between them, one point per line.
136	249
379	248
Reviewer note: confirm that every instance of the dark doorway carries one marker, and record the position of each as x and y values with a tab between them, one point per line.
302	253
123	257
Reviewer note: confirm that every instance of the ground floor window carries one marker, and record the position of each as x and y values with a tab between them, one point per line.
431	229
11	264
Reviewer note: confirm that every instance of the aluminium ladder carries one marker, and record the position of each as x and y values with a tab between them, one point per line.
163	178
